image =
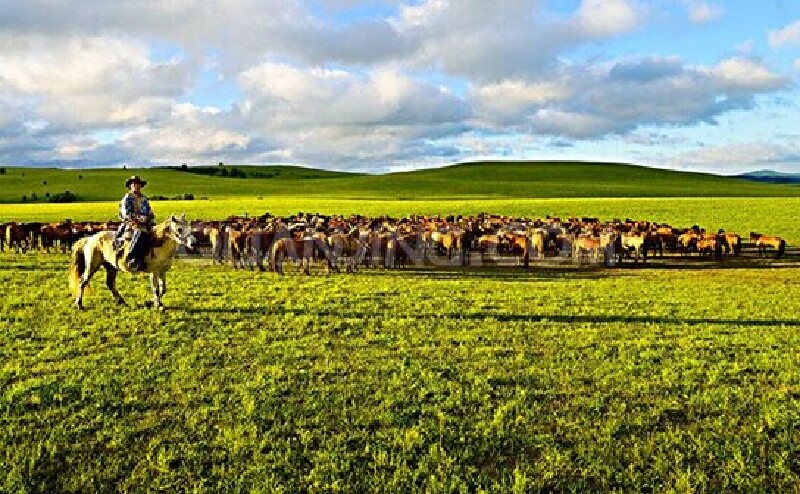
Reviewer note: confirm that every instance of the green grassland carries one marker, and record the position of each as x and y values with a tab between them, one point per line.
477	380
476	180
415	380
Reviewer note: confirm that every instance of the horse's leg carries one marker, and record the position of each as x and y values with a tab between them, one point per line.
111	282
154	286
91	269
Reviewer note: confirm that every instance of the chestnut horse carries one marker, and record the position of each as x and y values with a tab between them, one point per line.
764	241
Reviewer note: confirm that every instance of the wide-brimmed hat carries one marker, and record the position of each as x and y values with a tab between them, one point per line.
135	178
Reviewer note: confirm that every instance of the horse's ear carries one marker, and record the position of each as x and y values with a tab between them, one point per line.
172	217
183	217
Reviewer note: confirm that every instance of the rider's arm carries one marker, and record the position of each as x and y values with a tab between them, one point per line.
146	210
126	206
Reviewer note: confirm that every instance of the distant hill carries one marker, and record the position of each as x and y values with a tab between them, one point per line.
530	179
772	177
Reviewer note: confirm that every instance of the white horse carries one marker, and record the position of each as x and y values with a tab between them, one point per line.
90	253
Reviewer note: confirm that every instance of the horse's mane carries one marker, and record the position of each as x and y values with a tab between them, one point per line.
159	230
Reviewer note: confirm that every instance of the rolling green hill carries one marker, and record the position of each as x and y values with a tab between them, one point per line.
471	180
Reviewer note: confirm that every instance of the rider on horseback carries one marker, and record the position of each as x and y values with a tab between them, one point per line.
137	217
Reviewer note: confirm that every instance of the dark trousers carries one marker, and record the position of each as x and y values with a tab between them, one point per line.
139	246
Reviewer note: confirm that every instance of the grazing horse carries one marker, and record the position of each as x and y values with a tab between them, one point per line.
90	253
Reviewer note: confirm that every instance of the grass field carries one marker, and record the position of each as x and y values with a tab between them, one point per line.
475	181
402	381
417	380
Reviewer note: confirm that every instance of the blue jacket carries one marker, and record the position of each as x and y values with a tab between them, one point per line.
128	210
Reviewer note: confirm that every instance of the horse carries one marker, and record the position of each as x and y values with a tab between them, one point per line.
764	241
587	247
348	246
303	249
91	253
634	244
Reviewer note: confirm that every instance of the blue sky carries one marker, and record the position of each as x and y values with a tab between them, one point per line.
381	85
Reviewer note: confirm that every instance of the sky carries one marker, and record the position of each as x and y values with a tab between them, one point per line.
389	85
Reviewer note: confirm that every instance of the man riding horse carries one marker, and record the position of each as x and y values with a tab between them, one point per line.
137	218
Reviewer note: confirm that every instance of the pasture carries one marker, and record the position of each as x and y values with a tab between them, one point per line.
413	380
401	381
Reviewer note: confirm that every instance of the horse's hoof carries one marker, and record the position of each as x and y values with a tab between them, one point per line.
121	302
162	308
148	304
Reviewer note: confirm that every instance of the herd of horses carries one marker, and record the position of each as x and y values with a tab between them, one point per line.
348	242
460	240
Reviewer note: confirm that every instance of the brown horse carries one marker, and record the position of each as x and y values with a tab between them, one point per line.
587	247
520	245
303	250
764	241
89	254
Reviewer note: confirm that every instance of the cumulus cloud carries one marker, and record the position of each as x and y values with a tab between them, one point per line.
595	100
513	39
88	81
348	83
789	35
290	96
332	114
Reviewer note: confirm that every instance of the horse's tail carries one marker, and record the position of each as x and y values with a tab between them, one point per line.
77	265
781	249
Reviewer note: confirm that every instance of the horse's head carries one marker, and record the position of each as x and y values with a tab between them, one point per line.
181	231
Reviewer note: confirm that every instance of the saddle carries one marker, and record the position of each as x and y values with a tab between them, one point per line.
128	251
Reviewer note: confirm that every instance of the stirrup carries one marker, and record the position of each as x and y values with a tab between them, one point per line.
135	265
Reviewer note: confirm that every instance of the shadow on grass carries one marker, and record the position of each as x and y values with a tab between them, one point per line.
490	316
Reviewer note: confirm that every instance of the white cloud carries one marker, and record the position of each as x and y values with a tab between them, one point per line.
290	96
789	35
701	12
305	83
607	17
735	158
514	99
594	100
746	74
512	39
336	115
88	81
